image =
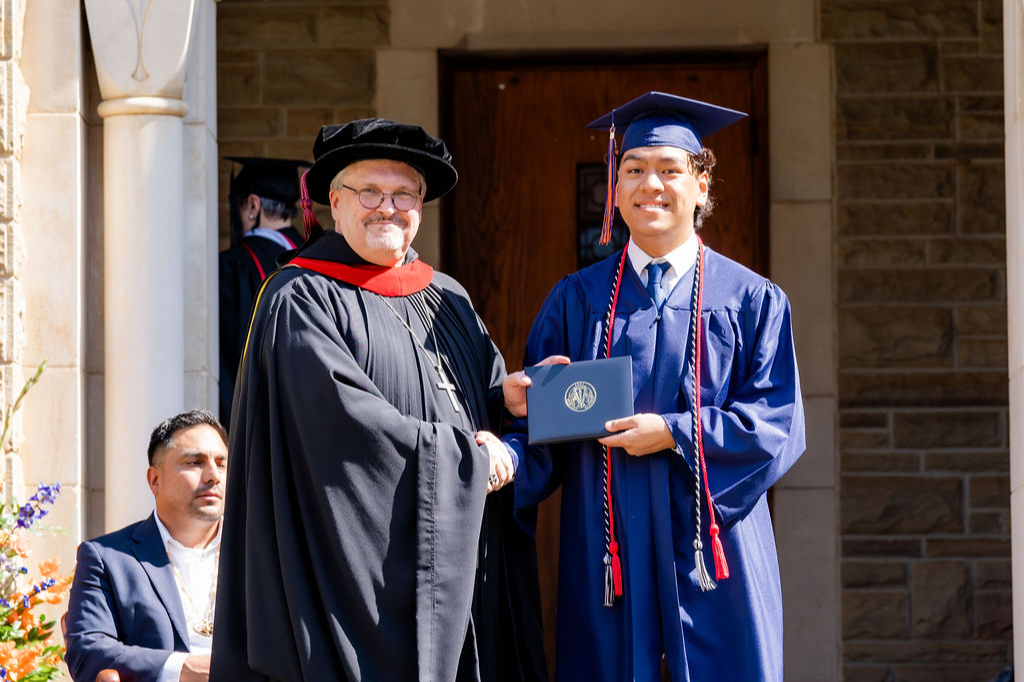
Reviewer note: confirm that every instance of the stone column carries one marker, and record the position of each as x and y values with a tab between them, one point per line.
201	312
13	110
142	50
1013	90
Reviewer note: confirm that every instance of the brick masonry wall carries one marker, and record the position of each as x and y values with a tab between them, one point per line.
285	69
920	263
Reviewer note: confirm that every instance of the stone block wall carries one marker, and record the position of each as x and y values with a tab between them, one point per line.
285	69
921	296
13	106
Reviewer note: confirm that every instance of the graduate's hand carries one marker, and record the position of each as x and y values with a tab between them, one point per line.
196	668
500	472
514	386
640	434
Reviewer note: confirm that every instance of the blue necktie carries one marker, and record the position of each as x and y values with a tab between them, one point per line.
655	271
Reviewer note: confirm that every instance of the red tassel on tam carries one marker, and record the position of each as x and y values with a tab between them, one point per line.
309	220
609	204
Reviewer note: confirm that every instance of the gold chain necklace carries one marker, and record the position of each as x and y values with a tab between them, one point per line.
204	624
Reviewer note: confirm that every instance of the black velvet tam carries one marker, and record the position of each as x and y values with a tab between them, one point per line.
339	145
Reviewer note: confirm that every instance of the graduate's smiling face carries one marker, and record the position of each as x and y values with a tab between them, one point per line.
187	477
657	191
383	234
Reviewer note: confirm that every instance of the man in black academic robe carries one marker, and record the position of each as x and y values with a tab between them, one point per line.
363	452
262	200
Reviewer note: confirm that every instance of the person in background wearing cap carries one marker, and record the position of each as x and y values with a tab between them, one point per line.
682	483
262	199
362	450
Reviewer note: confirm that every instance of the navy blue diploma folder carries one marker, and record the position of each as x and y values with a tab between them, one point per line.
572	402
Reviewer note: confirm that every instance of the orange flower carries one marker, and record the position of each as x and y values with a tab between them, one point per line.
20	545
26	660
49	568
55	593
6	653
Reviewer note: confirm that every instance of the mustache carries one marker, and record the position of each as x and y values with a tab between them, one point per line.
210	488
381	218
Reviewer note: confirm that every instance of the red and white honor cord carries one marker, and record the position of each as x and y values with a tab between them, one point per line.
612	562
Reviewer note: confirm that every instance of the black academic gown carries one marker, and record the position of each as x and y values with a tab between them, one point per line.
242	270
352	533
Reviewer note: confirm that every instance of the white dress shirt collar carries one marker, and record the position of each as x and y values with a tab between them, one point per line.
165	535
272	235
681	259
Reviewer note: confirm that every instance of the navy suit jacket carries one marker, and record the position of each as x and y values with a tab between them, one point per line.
124	611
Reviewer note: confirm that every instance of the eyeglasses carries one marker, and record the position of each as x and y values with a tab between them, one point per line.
373	198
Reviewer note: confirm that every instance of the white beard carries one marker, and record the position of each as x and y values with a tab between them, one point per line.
392	240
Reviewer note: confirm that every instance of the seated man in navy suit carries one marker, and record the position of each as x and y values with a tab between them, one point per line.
143	597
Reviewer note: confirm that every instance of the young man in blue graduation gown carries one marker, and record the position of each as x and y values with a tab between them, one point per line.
636	600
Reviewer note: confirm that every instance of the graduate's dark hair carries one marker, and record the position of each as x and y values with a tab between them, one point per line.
278	209
699	163
163	434
274	209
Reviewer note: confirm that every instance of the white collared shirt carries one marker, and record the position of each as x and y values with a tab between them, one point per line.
272	235
680	259
197	568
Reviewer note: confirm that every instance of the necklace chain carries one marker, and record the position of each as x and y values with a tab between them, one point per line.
443	382
204	624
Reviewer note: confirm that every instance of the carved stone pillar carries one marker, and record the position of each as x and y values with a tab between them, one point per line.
142	52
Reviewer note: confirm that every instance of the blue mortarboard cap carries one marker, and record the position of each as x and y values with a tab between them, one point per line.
658	119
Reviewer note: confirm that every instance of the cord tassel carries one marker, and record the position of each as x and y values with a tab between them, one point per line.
703	577
309	221
616	570
721	567
613	588
609	581
717	550
609	204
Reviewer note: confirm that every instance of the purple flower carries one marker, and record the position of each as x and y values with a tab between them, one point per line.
33	510
46	494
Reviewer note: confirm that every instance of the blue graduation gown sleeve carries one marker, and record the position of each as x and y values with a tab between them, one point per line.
756	433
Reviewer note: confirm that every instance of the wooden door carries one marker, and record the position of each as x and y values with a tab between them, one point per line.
510	229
